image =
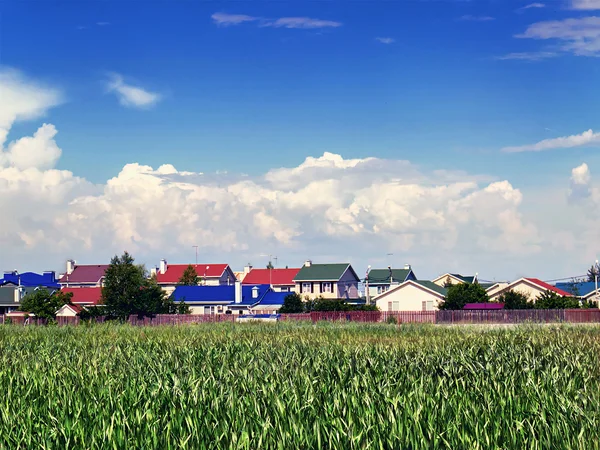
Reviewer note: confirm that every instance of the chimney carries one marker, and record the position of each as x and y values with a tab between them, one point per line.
163	266
255	292
307	263
70	266
153	271
407	266
238	291
247	269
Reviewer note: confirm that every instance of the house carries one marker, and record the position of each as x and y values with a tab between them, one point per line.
493	288
219	299
271	302
531	287
585	290
281	280
380	280
412	295
69	310
327	281
83	275
14	286
84	296
490	306
454	278
168	275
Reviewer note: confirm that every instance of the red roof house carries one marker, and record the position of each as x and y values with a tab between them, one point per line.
83	275
211	274
278	278
84	295
531	287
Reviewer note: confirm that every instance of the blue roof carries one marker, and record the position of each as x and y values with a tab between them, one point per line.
217	294
30	279
273	298
579	289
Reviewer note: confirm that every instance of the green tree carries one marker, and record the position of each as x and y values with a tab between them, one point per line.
592	272
459	295
448	282
189	277
292	304
182	308
127	291
551	300
515	300
44	304
270	265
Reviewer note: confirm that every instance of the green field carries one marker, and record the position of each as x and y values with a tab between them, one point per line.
292	386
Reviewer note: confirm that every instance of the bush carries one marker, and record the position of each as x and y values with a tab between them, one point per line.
391	320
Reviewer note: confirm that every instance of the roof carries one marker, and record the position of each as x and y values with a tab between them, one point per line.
30	279
276	277
468	279
85	274
174	272
323	272
216	294
273	298
85	295
433	288
548	287
75	308
377	276
579	289
484	306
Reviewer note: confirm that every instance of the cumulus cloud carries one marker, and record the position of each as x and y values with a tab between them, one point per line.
131	96
224	19
385	40
580	36
577	140
586	5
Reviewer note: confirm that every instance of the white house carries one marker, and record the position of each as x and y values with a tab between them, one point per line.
454	278
531	287
412	295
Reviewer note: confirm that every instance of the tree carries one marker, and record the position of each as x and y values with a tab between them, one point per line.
551	300
127	291
44	304
448	282
592	272
292	303
189	277
182	308
270	265
515	300
459	295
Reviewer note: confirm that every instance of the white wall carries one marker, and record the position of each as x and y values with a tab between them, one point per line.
407	298
524	288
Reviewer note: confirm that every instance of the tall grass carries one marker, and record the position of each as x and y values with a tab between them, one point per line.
291	386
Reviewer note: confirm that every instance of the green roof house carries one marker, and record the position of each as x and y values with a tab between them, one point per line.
454	278
412	295
327	281
381	280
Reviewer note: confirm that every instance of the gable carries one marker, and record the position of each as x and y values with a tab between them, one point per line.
428	287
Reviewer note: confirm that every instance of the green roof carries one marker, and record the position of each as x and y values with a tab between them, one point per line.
432	286
322	272
377	276
468	280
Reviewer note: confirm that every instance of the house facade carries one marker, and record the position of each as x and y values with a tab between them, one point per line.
327	280
281	280
381	280
530	287
454	278
412	295
83	275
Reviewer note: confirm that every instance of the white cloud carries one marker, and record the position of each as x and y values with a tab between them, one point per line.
531	6
385	40
470	18
586	5
224	19
131	96
528	56
577	140
580	36
39	151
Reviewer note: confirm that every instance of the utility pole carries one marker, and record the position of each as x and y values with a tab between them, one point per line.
367	286
196	247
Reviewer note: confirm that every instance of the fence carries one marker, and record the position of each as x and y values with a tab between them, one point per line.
400	317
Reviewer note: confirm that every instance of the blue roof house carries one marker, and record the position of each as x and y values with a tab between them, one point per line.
585	290
14	286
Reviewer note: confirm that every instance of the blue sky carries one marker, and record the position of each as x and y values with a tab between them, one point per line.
446	85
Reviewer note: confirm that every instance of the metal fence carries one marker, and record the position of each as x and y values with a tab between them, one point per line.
399	317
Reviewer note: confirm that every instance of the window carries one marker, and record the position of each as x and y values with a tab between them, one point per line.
306	288
327	287
427	305
389	306
285	289
382	289
396	306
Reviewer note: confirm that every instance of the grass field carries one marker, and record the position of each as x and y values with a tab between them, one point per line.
291	386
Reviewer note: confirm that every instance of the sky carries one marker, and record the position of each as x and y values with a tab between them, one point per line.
456	136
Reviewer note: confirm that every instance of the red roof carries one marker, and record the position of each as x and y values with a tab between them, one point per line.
549	287
85	295
174	272
85	274
274	276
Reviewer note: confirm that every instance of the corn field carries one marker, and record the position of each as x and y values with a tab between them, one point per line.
300	386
